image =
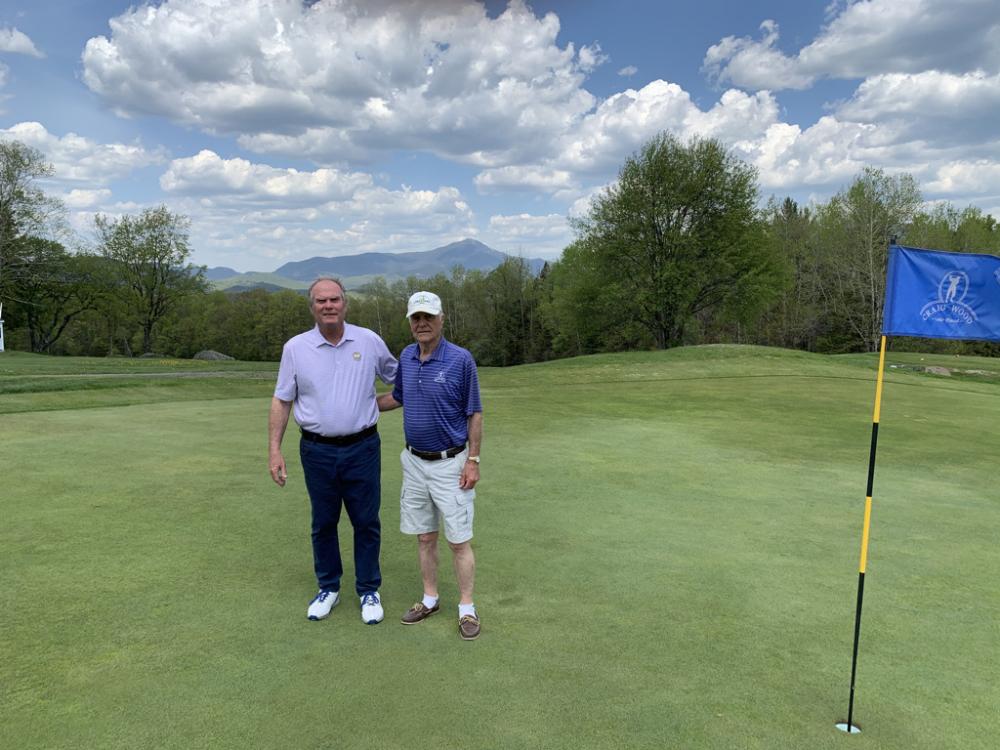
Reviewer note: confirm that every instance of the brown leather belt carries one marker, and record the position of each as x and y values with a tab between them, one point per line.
436	455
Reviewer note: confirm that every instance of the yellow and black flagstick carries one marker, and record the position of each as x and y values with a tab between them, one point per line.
849	725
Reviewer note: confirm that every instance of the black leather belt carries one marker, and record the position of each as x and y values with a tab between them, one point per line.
314	437
436	455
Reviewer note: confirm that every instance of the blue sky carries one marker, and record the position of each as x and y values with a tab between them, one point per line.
289	129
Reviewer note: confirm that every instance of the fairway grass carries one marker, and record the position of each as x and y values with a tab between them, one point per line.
667	549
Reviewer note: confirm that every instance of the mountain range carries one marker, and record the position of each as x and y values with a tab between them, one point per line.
356	270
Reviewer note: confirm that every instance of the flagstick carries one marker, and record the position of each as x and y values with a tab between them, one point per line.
849	726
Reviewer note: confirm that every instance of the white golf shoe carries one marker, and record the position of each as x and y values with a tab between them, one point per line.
324	602
371	608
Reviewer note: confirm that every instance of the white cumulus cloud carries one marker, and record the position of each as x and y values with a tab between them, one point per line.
79	199
247	214
963	177
864	39
536	236
944	107
754	64
79	159
525	178
346	80
621	124
208	174
344	83
13	40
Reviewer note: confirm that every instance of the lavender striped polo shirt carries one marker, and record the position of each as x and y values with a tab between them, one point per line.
438	396
333	387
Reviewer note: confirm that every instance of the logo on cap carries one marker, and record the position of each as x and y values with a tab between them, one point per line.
423	301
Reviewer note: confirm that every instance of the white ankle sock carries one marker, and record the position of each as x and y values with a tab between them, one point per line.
466	609
430	601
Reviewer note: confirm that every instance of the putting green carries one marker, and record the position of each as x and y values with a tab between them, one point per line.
667	557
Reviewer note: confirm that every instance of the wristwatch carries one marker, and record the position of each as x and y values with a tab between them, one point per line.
473	458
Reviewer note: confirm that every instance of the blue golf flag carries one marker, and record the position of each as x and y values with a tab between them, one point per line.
940	295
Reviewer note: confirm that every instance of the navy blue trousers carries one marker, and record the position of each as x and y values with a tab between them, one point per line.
348	476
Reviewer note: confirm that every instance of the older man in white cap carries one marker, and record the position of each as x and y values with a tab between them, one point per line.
438	387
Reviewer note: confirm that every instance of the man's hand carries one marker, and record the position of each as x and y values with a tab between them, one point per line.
470	475
277	420
276	462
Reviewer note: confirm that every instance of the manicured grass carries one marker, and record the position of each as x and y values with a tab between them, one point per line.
959	367
34	382
667	546
24	364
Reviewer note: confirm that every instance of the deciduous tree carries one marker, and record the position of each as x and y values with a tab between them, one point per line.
25	210
52	288
857	225
149	253
679	233
945	227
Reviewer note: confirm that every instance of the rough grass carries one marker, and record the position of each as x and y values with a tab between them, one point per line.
667	544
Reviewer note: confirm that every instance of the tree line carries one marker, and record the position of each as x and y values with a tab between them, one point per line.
677	251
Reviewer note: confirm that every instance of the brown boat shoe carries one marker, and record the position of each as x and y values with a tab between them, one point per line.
468	627
418	612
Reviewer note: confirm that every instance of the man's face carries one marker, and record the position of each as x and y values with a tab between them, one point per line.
328	303
426	328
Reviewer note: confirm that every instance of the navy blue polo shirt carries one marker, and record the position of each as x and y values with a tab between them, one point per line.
438	396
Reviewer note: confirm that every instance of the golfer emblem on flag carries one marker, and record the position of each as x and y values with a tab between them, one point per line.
949	307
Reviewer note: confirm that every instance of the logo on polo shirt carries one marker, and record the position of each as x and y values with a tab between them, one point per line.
357	356
439	378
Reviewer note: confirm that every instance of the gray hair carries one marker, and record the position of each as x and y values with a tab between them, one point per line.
334	279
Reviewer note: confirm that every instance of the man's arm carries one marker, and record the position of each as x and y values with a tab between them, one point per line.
386	365
386	402
470	472
276	423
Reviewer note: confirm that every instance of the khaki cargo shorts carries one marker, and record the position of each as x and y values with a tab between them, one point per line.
431	494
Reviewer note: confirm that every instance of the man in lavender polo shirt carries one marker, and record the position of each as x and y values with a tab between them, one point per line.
438	388
328	375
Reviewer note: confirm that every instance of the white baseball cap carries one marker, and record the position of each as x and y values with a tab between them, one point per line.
427	302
